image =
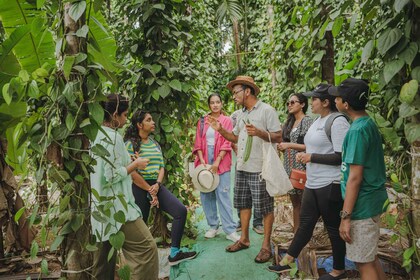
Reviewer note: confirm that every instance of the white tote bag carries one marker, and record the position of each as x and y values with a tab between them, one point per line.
276	179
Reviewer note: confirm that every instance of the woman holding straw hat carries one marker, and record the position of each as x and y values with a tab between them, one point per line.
213	151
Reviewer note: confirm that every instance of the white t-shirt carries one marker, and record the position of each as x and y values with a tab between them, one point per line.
210	136
317	142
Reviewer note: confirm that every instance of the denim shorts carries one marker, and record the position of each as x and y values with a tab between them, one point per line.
251	191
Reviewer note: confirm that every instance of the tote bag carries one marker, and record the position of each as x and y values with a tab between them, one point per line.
273	172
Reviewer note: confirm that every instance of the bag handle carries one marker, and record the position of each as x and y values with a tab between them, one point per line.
269	137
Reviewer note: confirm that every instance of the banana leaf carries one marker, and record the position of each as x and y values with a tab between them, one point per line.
28	38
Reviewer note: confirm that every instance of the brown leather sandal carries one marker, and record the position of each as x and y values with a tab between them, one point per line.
263	256
237	246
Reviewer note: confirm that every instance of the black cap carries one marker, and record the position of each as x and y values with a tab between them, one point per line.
321	91
353	91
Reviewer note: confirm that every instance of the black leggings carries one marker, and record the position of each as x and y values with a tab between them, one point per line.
327	203
167	203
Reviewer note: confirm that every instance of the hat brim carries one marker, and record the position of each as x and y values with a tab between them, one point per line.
333	90
196	183
233	83
311	94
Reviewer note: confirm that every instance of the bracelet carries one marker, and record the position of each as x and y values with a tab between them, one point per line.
159	183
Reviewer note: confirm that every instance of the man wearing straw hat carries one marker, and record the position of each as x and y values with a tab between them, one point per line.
259	121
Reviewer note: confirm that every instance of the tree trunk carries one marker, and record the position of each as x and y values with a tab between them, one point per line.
76	259
237	45
327	62
270	13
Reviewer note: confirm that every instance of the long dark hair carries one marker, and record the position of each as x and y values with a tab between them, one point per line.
132	132
115	104
220	98
287	128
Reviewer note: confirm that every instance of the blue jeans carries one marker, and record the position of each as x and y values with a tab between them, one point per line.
221	196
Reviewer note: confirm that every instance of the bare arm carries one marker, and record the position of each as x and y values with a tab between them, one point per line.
263	134
289	145
200	156
139	181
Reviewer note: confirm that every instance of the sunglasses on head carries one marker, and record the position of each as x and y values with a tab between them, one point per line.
291	103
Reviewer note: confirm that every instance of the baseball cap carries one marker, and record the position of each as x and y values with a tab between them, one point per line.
353	91
321	91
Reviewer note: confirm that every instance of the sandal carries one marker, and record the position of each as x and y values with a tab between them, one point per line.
237	246
263	256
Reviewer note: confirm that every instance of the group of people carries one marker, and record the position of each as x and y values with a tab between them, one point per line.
344	166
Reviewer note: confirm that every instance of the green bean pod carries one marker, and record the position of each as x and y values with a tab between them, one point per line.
248	146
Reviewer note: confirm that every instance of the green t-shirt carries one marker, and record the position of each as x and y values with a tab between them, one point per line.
151	151
363	146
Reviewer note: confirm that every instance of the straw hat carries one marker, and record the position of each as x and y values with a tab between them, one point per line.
243	80
204	180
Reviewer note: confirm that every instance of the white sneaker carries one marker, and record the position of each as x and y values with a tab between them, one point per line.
211	233
233	236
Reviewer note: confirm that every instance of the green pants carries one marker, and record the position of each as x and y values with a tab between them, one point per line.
140	252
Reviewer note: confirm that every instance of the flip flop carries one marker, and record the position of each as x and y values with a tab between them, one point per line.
263	256
237	246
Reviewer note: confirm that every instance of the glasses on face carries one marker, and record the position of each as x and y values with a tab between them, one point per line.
237	92
291	103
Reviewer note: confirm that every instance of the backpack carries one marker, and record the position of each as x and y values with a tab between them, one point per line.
330	121
202	126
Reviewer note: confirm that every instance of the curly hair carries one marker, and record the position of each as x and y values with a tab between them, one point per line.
132	132
115	104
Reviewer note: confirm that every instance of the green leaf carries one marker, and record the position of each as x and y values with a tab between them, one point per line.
23	74
44	267
159	6
77	9
100	151
415	73
319	55
96	112
99	217
176	85
409	252
409	53
70	121
56	243
407	111
91	247
338	22
124	272
412	132
392	68
164	90
117	240
77	221
417	2
120	217
39	4
367	51
19	214
353	20
80	57
6	94
394	178
33	90
34	249
64	202
409	91
388	39
400	4
67	65
83	31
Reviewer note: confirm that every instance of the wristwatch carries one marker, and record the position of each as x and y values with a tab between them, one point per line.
159	183
345	215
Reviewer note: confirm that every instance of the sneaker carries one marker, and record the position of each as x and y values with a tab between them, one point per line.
180	257
233	236
211	233
238	227
279	268
258	229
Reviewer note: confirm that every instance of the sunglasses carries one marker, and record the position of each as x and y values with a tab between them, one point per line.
291	103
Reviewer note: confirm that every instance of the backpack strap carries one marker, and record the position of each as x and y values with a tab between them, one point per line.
330	121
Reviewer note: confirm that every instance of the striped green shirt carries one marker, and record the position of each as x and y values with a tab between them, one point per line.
152	152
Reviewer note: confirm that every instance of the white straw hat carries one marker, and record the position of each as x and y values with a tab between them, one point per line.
204	180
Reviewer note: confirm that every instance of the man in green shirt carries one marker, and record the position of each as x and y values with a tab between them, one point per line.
362	179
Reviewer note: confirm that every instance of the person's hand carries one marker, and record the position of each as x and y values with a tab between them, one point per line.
214	123
251	129
213	169
154	201
345	230
154	189
303	158
234	148
141	163
283	146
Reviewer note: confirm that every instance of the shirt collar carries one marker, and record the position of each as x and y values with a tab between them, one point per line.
255	106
